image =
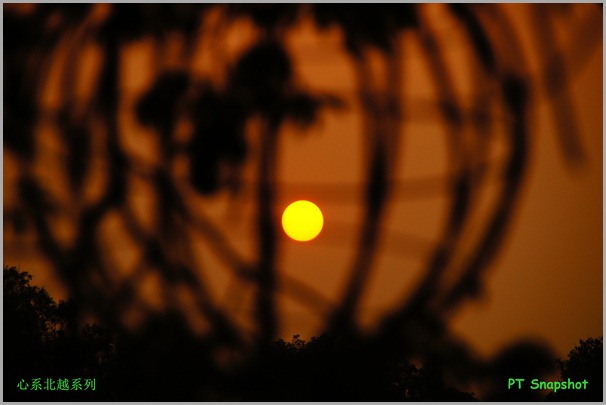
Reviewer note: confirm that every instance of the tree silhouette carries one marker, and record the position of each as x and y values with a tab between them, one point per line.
201	127
30	317
41	340
329	368
585	362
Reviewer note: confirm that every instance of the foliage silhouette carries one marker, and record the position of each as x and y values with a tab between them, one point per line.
585	362
42	341
235	116
329	368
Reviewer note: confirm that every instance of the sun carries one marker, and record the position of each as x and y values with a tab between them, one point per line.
302	220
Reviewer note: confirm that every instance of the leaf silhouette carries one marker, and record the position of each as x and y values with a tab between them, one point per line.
158	108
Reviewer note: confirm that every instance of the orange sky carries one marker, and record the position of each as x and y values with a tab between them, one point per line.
547	281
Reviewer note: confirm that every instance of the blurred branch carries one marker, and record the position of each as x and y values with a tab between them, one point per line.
462	194
267	229
514	93
556	82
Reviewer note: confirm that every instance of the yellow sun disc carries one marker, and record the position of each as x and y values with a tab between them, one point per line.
302	220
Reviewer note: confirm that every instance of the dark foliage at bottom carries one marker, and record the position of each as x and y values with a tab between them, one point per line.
164	361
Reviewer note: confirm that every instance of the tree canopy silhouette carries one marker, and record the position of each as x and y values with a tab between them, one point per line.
584	362
42	340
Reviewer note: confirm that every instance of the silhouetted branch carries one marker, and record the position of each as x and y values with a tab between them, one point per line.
267	229
462	193
555	80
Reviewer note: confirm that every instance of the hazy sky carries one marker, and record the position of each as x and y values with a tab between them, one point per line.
548	279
